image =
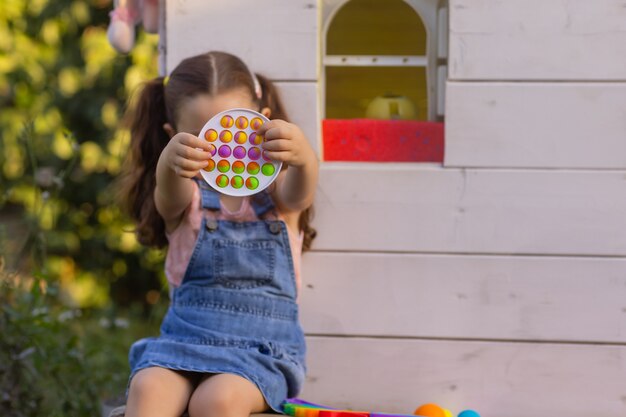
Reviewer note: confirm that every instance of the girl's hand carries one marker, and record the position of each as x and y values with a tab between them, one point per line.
285	142
295	187
186	154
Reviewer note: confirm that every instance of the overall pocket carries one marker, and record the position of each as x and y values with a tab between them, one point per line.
244	264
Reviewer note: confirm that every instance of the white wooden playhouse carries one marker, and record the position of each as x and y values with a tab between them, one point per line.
494	278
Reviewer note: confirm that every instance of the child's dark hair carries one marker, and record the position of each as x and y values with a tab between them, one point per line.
157	104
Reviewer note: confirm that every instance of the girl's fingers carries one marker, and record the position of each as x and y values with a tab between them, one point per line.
188	164
278	156
276	133
192	153
186	174
194	141
266	126
277	145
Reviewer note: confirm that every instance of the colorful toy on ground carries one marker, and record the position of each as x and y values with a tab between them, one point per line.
430	410
469	413
239	166
299	408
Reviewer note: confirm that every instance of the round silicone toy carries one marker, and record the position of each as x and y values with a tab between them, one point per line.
239	166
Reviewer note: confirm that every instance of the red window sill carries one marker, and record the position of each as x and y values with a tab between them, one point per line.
382	140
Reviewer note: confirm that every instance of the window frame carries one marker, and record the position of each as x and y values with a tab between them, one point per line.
435	60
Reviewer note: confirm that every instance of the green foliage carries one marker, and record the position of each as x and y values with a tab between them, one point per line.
43	369
54	361
63	91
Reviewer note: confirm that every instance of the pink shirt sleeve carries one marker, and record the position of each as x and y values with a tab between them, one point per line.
183	240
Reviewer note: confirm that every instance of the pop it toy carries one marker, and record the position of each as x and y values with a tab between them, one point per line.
238	165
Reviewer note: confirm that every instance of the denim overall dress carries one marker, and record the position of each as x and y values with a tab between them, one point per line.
235	310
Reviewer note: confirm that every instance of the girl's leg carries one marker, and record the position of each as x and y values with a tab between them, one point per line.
226	395
159	392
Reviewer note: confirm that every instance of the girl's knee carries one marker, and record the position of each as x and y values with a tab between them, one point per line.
158	391
212	406
149	382
141	380
226	395
219	402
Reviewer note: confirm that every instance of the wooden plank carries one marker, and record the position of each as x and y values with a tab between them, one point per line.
300	100
278	39
495	379
537	40
472	297
423	208
551	125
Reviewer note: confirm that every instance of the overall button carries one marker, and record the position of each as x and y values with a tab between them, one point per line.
275	227
264	350
211	225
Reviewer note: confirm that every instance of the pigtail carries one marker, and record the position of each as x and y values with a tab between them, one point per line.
148	139
304	223
271	99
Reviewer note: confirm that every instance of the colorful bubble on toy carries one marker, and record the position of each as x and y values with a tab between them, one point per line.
238	165
226	121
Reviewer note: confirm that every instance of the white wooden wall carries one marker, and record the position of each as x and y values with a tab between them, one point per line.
276	38
496	281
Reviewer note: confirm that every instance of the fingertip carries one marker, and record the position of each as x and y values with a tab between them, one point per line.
266	126
274	156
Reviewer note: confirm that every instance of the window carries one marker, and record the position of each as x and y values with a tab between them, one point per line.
374	48
383	59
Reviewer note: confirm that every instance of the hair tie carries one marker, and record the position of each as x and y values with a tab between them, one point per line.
166	80
257	86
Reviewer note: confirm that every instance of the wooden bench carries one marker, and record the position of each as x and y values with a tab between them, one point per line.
119	412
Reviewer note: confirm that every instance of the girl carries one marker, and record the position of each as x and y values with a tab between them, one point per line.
230	343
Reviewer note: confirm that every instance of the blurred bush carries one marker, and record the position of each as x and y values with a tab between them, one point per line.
43	370
54	361
63	91
75	286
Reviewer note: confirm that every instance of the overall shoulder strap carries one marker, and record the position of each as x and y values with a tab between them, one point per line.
209	197
262	203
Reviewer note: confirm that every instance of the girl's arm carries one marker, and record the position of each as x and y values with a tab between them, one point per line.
285	142
180	161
